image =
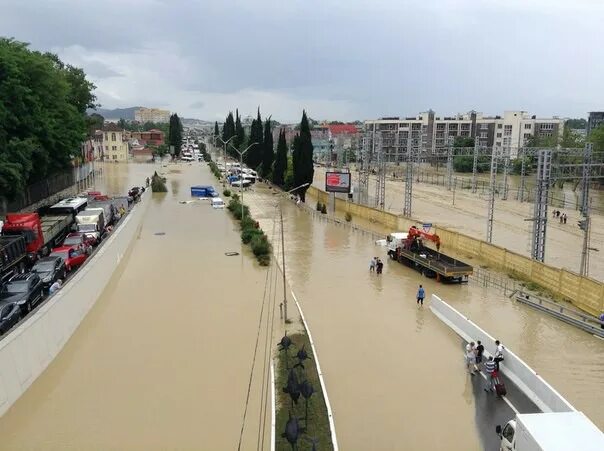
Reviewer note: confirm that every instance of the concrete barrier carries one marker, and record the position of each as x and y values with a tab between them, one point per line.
514	368
29	348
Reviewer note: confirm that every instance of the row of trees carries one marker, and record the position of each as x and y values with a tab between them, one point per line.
43	120
284	170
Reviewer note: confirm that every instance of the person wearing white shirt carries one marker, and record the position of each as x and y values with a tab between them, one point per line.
498	353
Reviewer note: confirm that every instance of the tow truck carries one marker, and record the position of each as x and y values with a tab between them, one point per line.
409	249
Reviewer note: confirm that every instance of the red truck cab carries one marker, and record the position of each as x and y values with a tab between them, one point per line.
29	226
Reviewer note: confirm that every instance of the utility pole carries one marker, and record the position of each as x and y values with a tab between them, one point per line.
475	163
520	195
224	157
506	170
240	171
585	179
449	162
491	204
540	209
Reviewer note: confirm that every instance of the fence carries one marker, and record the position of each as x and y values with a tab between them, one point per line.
46	188
583	292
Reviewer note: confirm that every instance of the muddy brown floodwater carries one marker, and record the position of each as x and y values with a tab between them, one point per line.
394	372
162	361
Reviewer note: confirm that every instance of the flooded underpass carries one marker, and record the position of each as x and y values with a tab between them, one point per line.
394	372
162	361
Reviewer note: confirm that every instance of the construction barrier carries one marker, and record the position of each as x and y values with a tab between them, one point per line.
584	292
534	386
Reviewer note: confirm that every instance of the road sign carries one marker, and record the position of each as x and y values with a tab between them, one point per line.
427	226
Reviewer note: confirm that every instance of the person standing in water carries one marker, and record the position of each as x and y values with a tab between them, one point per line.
421	294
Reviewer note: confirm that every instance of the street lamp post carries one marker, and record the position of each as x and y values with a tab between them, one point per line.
224	157
241	172
283	251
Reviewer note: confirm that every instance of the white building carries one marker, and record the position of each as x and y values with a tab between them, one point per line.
433	133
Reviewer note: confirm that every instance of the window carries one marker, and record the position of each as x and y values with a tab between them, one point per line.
440	126
106	139
507	128
453	126
498	144
113	137
499	126
484	126
508	433
547	126
527	126
499	135
486	135
106	147
465	127
113	147
527	135
114	157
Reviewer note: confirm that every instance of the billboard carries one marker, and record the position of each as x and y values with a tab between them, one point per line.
337	182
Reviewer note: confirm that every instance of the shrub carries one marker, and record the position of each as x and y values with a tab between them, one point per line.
260	245
324	209
348	216
264	260
235	196
247	235
319	206
158	184
227	193
248	223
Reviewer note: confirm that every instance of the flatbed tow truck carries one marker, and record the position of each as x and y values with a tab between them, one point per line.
409	249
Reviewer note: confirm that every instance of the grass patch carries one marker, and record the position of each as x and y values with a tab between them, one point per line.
317	426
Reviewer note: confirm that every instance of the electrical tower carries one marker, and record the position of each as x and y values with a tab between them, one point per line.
506	170
585	179
520	194
449	163
475	164
492	189
544	160
365	166
408	179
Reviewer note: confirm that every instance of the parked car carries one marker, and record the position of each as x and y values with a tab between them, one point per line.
71	255
10	314
80	240
26	290
50	269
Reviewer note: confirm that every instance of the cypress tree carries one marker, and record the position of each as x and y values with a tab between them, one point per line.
239	131
216	129
175	134
254	154
268	153
303	157
228	130
280	160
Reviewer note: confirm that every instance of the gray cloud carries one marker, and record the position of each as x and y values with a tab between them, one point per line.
346	59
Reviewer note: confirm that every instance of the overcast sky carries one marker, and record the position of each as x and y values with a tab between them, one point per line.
338	59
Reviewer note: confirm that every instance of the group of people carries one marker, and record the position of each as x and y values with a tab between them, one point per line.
474	361
561	216
376	265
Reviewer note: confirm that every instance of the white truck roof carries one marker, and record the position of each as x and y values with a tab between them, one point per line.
399	235
562	431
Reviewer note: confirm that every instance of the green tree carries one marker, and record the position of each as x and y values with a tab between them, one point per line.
571	139
463	141
303	157
253	157
43	118
268	152
596	137
175	134
576	123
280	160
239	131
216	129
95	122
228	131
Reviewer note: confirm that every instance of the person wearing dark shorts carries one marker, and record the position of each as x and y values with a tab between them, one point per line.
479	352
421	293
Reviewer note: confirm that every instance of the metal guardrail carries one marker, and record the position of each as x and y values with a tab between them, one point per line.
569	315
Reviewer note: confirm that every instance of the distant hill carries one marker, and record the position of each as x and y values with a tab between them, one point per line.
118	113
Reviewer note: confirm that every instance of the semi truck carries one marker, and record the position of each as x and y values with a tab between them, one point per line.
409	249
13	256
41	232
109	209
554	431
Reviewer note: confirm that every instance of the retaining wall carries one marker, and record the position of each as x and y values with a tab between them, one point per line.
30	348
584	292
533	385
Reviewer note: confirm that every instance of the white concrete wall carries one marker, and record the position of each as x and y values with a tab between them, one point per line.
533	385
28	349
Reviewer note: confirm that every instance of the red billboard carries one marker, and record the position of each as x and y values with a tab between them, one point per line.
337	182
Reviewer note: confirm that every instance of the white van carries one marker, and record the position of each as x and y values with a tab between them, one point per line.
186	157
217	202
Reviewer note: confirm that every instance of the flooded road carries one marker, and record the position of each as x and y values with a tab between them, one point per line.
464	212
394	372
162	361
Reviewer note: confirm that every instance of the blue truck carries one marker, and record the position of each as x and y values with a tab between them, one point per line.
203	191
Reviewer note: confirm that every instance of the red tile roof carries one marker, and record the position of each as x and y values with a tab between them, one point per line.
339	129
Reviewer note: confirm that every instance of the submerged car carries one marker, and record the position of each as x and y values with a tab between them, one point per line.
26	290
50	269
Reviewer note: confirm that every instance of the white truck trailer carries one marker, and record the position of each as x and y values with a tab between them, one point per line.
555	431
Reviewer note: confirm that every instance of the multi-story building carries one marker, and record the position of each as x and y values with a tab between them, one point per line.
156	115
431	134
114	143
594	120
151	137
